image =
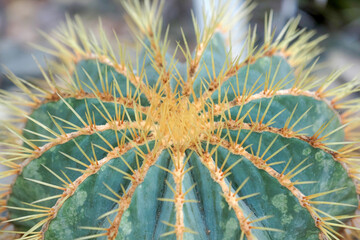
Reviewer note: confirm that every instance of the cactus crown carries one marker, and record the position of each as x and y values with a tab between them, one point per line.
224	146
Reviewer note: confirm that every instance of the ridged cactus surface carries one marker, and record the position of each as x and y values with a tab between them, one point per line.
217	147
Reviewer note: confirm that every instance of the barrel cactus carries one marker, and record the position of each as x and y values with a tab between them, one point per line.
247	145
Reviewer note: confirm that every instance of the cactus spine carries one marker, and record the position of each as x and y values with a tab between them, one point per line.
213	148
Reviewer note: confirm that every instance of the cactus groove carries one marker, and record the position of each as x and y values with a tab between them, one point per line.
223	146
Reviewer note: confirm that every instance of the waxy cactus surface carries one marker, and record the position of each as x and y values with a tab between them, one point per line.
225	145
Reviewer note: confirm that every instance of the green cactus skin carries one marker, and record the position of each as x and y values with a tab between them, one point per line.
214	148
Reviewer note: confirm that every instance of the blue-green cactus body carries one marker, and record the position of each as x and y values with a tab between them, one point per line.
116	178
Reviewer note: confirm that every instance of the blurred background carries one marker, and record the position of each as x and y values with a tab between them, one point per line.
21	20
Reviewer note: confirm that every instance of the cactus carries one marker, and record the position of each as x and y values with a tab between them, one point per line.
247	145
